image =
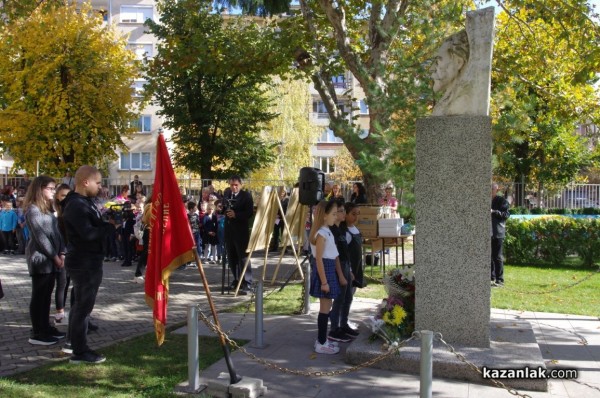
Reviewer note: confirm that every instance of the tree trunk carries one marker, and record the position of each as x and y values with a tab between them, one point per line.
373	187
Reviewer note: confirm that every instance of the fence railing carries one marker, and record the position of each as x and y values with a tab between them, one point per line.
573	196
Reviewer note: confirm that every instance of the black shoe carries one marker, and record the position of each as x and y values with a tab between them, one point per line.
92	327
349	331
57	334
43	340
233	285
242	292
339	335
126	264
88	357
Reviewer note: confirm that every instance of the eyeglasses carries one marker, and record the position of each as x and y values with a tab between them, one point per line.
50	188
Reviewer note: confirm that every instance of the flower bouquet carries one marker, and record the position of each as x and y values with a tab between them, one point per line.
395	318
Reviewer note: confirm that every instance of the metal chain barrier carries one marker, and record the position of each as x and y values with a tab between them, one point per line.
582	339
558	289
471	365
318	373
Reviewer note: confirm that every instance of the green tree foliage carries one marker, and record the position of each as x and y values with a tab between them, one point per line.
209	77
546	61
65	89
386	45
290	133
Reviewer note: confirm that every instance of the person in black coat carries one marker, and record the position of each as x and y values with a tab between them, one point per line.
86	234
238	208
500	214
359	194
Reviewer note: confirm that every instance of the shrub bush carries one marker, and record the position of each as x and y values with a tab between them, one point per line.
552	239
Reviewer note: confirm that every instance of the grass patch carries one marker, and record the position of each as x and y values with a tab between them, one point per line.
524	285
135	368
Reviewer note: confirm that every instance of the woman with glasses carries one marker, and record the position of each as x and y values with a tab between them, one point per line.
45	254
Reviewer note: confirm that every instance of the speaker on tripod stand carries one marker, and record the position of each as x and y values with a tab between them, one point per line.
312	186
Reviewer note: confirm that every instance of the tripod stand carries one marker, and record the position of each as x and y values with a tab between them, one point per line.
306	259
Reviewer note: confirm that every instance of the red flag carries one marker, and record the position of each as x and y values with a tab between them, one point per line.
171	241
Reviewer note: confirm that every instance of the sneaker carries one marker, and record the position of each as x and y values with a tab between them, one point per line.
138	279
67	349
61	318
326	348
499	284
126	264
43	340
113	259
350	331
339	335
212	262
106	259
54	332
88	357
333	343
493	284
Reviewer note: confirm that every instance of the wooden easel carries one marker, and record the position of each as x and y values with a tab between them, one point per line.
262	228
294	223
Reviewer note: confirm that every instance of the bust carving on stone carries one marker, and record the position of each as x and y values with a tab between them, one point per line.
462	69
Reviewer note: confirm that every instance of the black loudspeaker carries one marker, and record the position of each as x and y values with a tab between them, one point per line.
312	185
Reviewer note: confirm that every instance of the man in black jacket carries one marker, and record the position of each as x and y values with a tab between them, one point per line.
500	214
238	208
86	233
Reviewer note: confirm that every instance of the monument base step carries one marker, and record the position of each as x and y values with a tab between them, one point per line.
512	346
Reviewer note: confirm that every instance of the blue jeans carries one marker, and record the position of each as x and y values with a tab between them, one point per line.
86	275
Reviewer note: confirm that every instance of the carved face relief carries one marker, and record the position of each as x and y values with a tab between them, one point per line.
446	69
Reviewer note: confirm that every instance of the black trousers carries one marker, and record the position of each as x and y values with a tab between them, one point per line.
86	275
497	260
39	307
236	244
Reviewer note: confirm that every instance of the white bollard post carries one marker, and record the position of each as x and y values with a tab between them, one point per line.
258	316
426	363
193	357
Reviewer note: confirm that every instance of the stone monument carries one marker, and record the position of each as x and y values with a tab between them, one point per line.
452	190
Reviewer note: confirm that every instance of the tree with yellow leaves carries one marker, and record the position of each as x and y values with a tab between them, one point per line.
65	88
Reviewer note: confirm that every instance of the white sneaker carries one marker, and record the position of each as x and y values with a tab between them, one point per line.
138	279
326	348
61	318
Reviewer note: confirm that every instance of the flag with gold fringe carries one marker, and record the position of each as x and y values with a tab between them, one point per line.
171	241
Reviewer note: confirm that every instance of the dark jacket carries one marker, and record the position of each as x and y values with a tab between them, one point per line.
45	241
243	206
500	214
86	231
339	235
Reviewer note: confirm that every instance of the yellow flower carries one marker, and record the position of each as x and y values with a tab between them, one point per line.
398	315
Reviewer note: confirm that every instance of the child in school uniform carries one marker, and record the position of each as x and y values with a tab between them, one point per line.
354	239
340	330
326	272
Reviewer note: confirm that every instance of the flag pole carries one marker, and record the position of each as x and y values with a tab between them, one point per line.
233	377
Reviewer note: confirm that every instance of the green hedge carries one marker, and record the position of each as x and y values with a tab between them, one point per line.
551	240
543	210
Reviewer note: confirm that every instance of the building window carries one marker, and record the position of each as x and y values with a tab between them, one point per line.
364	108
143	124
135	14
135	161
339	81
327	135
326	164
320	110
138	88
141	50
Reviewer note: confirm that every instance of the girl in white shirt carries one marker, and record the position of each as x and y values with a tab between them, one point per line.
326	272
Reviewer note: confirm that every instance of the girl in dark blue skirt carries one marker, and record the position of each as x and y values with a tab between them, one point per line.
326	273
